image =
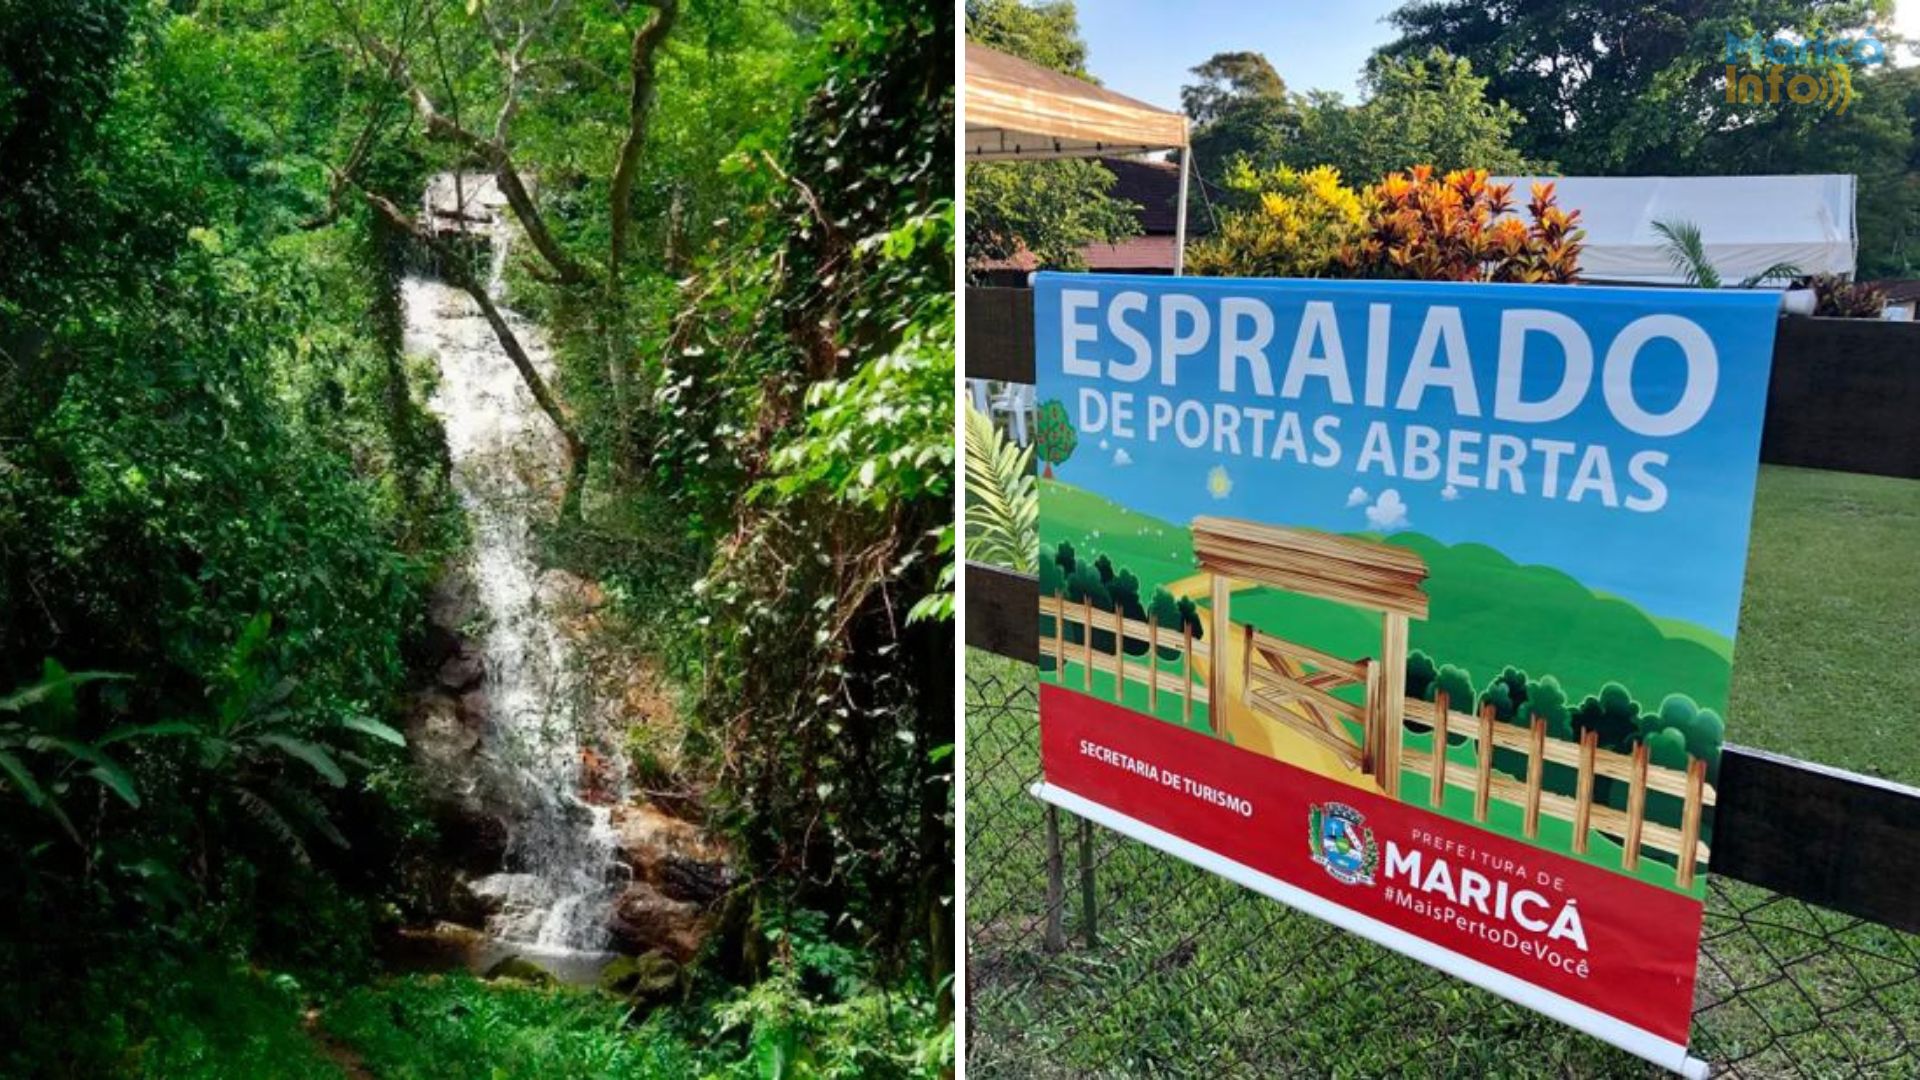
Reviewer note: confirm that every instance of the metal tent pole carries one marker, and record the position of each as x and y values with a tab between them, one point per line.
1180	217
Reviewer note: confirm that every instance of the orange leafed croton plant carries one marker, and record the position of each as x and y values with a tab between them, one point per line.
1459	228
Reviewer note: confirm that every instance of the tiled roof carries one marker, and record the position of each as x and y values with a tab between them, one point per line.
1135	254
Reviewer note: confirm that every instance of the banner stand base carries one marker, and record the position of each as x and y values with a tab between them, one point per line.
1663	1052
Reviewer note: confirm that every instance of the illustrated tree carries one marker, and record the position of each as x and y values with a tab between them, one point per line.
1053	582
1702	731
1421	672
1613	715
1054	436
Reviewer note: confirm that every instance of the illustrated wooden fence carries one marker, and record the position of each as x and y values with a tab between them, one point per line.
1275	678
1630	826
1114	661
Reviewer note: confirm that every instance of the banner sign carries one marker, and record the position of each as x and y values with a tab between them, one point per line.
1409	604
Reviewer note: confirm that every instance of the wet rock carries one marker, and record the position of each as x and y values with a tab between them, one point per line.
673	856
441	946
644	920
452	606
650	978
475	710
465	905
569	595
694	880
465	669
441	741
521	969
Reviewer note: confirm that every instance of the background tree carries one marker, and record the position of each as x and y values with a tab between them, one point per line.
1048	210
1428	109
1635	89
1241	110
1046	32
1054	438
1226	79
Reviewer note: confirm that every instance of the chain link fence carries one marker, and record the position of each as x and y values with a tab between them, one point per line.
1182	973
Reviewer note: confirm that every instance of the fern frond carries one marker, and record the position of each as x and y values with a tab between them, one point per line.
1003	505
305	806
270	819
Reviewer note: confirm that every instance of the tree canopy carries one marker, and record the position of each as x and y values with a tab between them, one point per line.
1637	89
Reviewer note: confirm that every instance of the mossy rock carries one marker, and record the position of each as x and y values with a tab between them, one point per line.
520	968
652	977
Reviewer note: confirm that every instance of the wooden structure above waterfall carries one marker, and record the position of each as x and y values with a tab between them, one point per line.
462	203
1361	573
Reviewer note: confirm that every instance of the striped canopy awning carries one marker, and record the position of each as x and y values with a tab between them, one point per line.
1017	110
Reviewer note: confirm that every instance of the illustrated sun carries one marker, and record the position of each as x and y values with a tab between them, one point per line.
1219	484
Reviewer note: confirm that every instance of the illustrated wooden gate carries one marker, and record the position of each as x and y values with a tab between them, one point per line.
1274	672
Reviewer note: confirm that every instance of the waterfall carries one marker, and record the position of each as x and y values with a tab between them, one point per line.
509	468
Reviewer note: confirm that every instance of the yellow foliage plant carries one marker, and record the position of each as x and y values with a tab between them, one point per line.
1290	224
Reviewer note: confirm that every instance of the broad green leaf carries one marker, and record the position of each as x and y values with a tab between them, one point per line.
106	770
367	725
321	761
147	731
22	779
48	686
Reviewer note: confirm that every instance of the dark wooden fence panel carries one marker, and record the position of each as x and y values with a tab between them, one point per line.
1845	396
1845	393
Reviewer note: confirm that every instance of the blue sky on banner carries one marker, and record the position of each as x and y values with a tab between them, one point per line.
1650	491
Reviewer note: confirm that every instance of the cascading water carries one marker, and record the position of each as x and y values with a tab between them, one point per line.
509	466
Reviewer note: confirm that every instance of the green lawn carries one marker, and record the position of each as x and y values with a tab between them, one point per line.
1823	667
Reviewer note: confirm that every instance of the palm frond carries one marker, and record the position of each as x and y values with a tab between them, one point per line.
1003	505
1687	252
1780	271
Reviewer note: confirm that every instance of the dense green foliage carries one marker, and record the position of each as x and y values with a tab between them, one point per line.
216	481
222	502
1418	109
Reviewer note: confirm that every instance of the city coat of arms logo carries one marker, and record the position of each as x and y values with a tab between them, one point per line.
1342	843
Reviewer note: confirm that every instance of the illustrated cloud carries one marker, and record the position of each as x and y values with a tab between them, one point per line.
1356	497
1121	458
1388	512
1449	493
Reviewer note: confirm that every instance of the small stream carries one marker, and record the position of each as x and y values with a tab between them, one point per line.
509	470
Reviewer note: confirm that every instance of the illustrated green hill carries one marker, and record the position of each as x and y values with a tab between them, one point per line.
1486	611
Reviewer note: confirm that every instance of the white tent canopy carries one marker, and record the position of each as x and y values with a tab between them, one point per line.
1748	223
1019	111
